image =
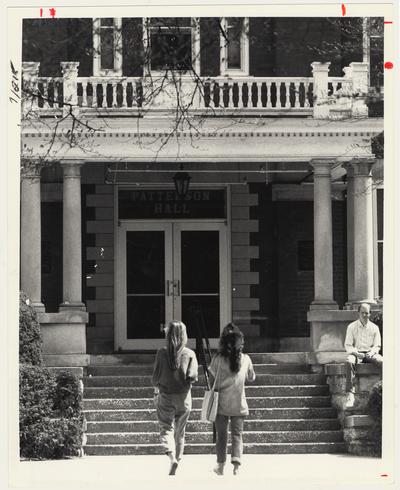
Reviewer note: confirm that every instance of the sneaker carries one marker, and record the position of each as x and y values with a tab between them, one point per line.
219	469
174	467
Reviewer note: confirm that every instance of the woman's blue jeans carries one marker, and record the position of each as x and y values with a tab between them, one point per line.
221	426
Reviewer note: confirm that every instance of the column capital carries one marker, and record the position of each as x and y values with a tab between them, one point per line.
71	169
30	69
322	166
30	169
362	166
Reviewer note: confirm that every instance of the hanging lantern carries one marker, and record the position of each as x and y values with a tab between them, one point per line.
181	181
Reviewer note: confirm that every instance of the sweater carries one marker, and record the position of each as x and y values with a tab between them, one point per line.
178	380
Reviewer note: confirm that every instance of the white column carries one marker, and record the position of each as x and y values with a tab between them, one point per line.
320	73
350	233
31	263
72	237
363	230
323	253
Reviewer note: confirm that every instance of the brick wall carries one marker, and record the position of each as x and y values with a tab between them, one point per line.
296	288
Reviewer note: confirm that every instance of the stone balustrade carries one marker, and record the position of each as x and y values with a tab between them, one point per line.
319	96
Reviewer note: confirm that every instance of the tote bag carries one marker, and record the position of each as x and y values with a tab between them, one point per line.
209	406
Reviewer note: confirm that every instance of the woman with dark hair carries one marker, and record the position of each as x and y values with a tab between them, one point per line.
175	369
232	369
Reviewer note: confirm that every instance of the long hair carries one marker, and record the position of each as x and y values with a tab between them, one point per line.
231	345
176	338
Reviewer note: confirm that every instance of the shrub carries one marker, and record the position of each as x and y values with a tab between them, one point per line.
29	333
374	409
53	438
68	395
36	394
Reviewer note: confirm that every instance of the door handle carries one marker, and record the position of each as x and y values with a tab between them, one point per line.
177	287
168	287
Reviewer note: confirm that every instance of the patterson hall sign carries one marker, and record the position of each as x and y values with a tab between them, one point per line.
159	203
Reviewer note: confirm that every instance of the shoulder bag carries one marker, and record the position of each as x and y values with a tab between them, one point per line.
209	406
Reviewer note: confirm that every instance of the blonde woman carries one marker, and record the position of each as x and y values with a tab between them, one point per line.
175	369
232	369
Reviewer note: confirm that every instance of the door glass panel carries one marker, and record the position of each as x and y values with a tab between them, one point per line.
145	283
200	262
200	281
203	312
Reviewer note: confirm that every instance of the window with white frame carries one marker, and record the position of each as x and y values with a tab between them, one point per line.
107	45
170	43
234	44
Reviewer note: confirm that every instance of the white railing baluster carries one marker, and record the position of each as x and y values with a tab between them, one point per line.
296	94
240	94
287	94
124	86
104	98
268	103
114	87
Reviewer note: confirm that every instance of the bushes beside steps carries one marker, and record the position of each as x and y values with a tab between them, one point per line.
50	404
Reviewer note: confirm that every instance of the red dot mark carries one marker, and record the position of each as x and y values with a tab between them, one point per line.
384	474
388	65
343	9
52	12
41	12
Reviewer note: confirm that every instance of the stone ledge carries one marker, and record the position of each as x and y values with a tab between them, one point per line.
77	371
66	360
339	369
64	317
332	315
355	421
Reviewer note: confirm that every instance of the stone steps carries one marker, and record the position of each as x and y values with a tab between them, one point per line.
198	426
262	379
258	413
128	358
253	402
249	437
290	408
255	448
147	369
198	391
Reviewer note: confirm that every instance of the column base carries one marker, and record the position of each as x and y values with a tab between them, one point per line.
355	303
320	304
72	307
39	307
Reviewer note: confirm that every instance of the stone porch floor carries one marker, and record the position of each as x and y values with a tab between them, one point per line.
258	471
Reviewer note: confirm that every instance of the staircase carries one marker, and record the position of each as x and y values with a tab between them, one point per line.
290	409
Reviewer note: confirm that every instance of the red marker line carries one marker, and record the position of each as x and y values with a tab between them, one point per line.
343	9
388	22
384	474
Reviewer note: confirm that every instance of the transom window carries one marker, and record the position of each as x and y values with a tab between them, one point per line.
234	43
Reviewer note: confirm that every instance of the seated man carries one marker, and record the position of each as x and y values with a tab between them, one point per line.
362	343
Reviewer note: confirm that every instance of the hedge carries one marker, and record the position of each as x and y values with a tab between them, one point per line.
30	341
374	410
51	419
50	406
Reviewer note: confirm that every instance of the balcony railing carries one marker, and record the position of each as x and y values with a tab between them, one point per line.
319	96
